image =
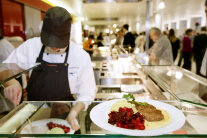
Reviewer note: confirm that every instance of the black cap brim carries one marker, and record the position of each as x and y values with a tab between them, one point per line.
54	40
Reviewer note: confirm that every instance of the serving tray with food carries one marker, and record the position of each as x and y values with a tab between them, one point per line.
137	117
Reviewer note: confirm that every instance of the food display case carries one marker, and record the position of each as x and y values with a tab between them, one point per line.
114	78
182	84
30	119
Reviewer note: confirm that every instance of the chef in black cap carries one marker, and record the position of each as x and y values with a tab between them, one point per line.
65	68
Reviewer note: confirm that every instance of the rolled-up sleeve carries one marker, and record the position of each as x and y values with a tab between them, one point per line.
86	83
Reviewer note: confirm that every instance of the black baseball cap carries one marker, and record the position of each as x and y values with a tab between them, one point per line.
56	28
206	3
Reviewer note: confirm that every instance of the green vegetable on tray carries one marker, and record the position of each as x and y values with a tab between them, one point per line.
130	98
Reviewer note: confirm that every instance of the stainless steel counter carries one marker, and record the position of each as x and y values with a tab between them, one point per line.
114	78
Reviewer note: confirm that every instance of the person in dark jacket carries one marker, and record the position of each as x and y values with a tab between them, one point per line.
129	38
100	39
200	45
175	42
151	43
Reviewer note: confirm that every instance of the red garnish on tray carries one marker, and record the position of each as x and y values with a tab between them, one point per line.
125	118
52	125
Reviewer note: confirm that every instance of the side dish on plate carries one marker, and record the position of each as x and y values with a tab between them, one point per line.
57	128
48	126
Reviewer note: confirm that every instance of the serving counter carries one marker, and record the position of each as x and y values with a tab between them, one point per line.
116	73
21	122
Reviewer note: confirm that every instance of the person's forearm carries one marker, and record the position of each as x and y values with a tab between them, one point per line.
88	49
8	83
153	59
8	70
78	107
6	74
72	117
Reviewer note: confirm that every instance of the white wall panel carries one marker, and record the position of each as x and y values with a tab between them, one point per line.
32	21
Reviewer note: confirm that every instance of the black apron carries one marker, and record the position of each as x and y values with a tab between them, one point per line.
49	82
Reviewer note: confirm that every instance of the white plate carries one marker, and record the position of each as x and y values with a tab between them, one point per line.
132	88
99	115
40	126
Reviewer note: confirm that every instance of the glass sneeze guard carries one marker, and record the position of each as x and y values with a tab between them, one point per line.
183	84
11	70
30	112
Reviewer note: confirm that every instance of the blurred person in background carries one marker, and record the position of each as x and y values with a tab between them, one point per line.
199	48
175	42
107	39
165	33
204	61
181	51
140	42
88	45
203	70
161	51
199	88
151	43
129	38
6	48
100	39
187	49
119	38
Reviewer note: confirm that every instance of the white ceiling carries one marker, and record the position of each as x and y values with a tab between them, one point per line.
134	11
73	6
183	8
120	10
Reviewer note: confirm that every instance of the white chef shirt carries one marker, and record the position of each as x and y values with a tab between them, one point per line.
6	49
80	71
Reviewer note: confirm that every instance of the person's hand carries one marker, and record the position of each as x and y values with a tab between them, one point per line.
13	92
72	117
72	120
152	58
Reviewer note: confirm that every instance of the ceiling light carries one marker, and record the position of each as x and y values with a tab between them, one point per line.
114	25
48	2
162	5
60	4
117	30
86	27
106	31
81	19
